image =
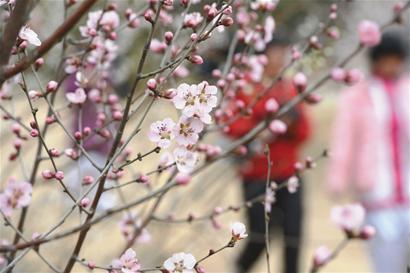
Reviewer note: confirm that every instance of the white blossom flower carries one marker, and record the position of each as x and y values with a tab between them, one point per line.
77	97
180	263
238	231
185	98
185	159
264	4
128	263
269	199
162	132
348	217
206	97
127	225
322	256
192	20
16	195
187	130
109	21
27	34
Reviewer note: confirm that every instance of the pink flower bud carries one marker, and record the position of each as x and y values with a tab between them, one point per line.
182	178
15	128
34	94
196	59
149	15
59	175
168	37
85	202
228	21
322	256
88	179
216	73
23	45
17	143
52	86
143	178
278	127
367	232
338	74
54	152
152	84
300	81
354	76
47	174
91	265
398	7
296	55
86	131
33	124
34	133
170	93
38	63
112	99
117	115
78	135
241	150
50	119
194	37
271	105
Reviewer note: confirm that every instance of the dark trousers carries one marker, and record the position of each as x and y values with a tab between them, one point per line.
286	217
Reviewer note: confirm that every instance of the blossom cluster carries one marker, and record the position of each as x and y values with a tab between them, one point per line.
195	101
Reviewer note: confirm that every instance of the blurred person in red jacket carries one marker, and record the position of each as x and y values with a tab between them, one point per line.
287	212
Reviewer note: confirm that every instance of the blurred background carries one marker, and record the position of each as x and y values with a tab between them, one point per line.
219	185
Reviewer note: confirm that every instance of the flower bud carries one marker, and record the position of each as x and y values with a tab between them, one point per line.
52	86
59	175
300	81
278	127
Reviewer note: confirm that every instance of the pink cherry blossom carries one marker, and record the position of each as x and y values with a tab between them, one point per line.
187	130
369	33
16	195
161	132
348	217
238	231
322	256
27	34
180	263
128	263
185	159
127	225
77	97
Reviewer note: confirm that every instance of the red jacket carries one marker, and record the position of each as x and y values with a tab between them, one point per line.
283	149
